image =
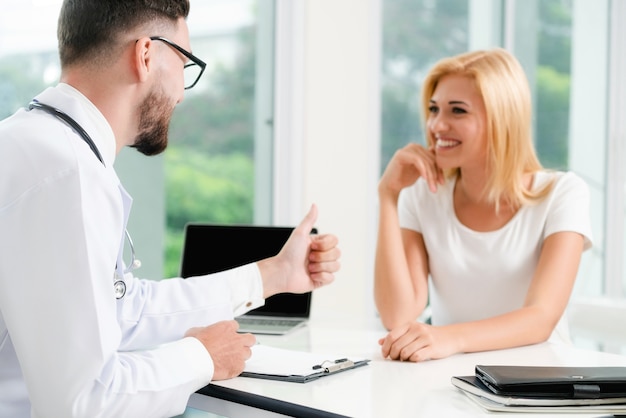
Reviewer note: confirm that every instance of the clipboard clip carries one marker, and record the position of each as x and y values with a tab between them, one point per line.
329	366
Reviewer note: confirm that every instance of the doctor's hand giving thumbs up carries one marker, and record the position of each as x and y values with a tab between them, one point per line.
305	262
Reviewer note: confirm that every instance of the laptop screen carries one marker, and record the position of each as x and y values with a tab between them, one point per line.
210	248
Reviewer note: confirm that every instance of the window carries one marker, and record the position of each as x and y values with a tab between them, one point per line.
28	57
416	34
215	140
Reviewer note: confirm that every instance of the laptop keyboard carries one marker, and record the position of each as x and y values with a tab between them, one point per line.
268	321
275	326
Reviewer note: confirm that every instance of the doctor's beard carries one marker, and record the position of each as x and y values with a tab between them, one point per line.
154	121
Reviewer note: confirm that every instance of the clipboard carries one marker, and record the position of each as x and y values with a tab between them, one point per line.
295	366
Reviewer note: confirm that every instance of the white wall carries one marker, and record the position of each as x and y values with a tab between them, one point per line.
333	93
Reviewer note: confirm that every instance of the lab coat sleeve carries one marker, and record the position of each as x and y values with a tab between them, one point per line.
154	312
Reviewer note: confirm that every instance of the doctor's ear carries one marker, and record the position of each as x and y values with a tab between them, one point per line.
142	58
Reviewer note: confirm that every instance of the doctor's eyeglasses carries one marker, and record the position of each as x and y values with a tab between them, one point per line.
193	69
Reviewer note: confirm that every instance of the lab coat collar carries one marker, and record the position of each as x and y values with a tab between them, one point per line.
71	101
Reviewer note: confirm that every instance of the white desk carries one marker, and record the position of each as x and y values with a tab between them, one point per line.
383	388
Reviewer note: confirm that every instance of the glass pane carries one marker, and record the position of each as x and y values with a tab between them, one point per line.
209	164
28	55
416	34
554	41
547	55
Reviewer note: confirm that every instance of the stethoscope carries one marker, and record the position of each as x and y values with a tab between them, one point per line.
119	286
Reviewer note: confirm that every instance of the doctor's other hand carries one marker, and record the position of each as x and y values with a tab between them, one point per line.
305	262
416	341
228	349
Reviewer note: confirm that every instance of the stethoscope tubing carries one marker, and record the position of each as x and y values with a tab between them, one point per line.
119	285
71	122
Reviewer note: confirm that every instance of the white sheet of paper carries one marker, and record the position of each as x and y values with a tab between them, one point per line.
279	361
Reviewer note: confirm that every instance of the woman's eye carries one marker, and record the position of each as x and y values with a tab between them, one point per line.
433	109
458	110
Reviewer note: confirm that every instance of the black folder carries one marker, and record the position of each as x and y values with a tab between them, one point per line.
554	382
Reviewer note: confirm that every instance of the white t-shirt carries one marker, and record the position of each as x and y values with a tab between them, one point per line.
477	275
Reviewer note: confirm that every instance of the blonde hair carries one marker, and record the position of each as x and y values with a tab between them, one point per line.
503	86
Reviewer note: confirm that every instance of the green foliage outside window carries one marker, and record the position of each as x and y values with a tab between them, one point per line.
202	188
209	163
553	83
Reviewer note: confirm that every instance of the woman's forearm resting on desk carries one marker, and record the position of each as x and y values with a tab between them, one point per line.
417	341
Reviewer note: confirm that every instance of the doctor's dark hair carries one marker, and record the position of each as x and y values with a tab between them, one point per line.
90	30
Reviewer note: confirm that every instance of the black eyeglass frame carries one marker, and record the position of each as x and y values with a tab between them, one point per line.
194	60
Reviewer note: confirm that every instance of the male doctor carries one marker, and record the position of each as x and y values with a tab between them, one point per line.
80	336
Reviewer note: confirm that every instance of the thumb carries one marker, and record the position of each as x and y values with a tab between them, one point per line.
307	224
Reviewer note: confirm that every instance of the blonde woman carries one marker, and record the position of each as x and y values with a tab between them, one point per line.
472	225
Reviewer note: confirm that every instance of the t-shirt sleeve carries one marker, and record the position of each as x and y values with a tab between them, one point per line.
408	208
570	208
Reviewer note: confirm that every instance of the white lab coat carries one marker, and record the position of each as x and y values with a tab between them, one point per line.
80	351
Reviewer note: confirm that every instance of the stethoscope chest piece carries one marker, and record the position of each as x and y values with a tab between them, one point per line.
120	289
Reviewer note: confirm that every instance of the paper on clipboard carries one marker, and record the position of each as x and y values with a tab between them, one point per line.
295	366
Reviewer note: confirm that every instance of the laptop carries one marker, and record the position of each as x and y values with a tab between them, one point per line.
209	248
